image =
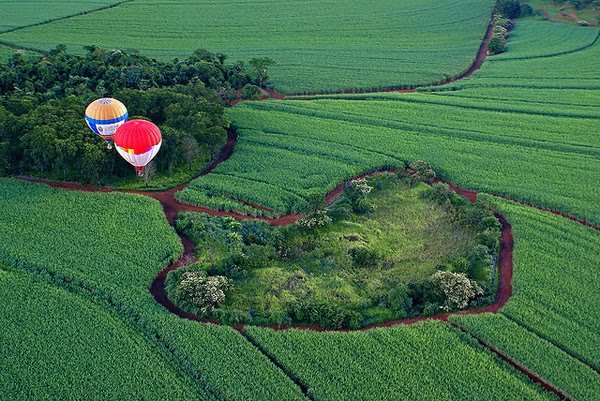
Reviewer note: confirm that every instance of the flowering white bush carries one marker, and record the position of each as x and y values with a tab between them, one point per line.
317	219
457	288
205	292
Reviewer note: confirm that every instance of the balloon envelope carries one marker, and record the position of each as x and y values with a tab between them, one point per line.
104	116
138	141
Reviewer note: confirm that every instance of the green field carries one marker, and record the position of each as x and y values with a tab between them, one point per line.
78	320
534	144
18	13
318	46
550	324
109	247
72	343
429	361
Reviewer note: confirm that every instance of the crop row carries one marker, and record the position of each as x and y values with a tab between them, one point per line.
535	158
54	340
109	247
318	46
556	279
559	368
17	13
427	361
532	39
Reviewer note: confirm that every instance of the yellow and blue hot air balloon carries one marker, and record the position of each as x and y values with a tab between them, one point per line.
104	116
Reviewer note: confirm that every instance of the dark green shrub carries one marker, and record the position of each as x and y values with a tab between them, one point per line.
496	45
422	171
399	300
509	8
260	233
234	266
250	92
258	256
355	193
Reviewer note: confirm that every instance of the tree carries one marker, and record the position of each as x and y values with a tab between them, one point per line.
261	69
399	300
458	289
496	45
202	291
509	8
356	192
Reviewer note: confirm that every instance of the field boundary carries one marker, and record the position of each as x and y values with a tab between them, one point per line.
64	17
540	381
562	53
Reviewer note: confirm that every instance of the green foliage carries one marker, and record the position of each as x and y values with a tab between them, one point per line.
345	273
43	133
509	8
202	291
356	193
420	170
354	44
496	45
427	361
399	300
250	92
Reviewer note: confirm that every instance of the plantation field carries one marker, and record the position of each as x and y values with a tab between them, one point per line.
550	324
567	373
428	361
540	39
53	340
538	145
78	320
554	290
318	46
109	247
18	13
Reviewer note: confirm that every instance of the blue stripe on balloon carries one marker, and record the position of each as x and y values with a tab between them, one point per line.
103	122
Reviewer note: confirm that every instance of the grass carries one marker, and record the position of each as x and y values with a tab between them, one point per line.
59	345
318	46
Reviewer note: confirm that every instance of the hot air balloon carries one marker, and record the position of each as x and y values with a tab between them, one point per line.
104	116
138	141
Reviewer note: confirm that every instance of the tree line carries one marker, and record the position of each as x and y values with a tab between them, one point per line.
43	99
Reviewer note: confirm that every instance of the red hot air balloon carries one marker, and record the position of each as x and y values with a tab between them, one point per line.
138	141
